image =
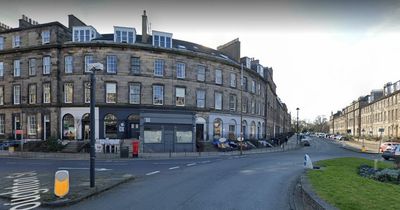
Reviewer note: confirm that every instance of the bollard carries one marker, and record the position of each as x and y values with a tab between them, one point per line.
199	153
169	153
376	164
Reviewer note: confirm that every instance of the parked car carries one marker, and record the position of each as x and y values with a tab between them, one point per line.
305	142
389	153
387	145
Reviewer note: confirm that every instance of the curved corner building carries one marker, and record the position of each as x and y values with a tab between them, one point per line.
170	94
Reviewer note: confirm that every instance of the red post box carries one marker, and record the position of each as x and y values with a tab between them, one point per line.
135	148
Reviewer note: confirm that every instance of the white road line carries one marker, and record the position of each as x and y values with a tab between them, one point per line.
151	173
96	169
172	168
206	161
191	164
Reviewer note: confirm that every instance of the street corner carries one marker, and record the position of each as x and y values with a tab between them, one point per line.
31	189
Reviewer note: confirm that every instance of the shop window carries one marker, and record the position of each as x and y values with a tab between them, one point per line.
68	127
110	126
217	128
184	135
152	134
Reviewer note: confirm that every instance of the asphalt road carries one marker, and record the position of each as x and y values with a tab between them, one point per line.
262	181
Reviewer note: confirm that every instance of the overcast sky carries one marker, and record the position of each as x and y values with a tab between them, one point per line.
325	54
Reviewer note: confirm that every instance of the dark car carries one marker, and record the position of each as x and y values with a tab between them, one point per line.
389	153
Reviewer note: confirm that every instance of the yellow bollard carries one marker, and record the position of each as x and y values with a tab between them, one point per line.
61	183
363	149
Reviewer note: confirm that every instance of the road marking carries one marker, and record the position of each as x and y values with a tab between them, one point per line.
191	164
96	169
151	173
25	192
172	168
206	161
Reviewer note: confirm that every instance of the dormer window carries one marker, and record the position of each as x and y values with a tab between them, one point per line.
162	39
124	35
84	34
45	37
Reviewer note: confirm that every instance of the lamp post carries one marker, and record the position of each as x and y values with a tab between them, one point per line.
297	109
241	110
363	138
93	68
381	130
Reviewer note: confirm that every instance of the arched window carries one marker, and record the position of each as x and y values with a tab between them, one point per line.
110	126
217	128
68	127
134	117
86	117
252	130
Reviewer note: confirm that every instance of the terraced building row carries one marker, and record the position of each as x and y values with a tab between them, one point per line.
170	94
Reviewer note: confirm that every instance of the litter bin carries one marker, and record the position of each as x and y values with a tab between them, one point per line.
135	148
124	152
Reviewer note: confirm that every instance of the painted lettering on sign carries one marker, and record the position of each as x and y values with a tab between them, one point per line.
25	192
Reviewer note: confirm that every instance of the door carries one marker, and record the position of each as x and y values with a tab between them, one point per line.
86	131
169	140
46	127
199	137
85	127
17	127
134	130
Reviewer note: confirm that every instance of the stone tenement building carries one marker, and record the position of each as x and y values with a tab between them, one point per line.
367	115
168	93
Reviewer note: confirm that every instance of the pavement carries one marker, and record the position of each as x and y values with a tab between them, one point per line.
356	145
174	155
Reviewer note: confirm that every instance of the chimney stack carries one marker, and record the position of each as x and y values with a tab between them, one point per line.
26	22
144	27
4	27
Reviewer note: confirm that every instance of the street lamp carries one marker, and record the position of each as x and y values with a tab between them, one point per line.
297	109
363	136
93	67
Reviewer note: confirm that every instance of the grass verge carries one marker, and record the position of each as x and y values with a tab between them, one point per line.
340	185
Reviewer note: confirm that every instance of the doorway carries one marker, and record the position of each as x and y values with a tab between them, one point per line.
199	137
17	127
134	127
46	127
86	126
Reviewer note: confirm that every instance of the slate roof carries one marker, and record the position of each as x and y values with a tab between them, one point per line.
176	44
